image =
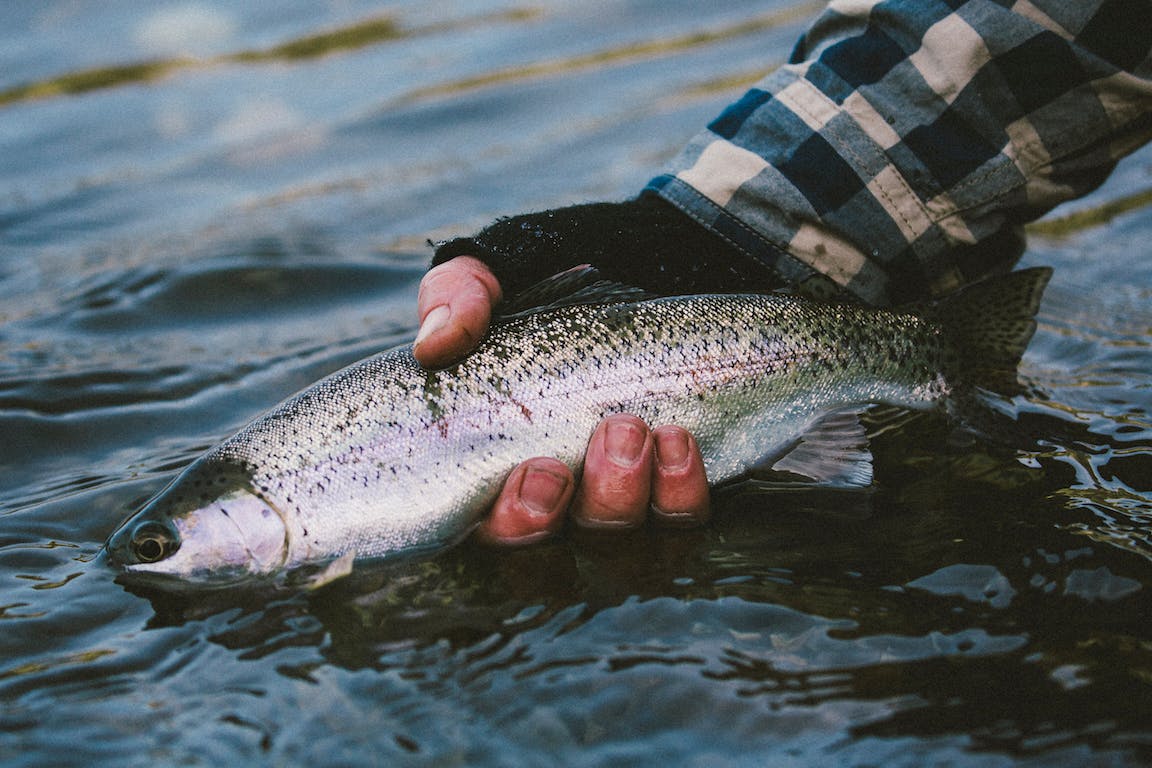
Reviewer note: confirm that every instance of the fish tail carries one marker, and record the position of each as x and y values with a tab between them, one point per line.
989	325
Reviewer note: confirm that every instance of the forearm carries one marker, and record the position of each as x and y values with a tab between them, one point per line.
899	153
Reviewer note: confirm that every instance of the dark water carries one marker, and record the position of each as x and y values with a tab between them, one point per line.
205	206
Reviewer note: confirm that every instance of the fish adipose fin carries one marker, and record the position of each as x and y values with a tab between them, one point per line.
578	285
833	453
989	325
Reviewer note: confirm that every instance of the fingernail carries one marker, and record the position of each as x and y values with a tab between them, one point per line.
623	442
433	321
675	519
541	490
672	449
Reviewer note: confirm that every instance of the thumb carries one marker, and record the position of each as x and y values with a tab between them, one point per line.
454	306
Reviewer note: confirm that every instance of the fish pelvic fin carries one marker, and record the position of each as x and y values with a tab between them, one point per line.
832	452
989	325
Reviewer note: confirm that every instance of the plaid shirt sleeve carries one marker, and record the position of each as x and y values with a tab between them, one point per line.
904	146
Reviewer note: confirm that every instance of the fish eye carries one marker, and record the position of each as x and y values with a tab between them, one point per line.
152	542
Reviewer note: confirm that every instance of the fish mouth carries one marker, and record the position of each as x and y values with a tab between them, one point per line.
141	540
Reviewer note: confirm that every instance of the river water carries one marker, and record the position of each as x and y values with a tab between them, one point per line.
205	206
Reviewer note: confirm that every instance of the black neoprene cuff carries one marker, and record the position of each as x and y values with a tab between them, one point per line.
646	242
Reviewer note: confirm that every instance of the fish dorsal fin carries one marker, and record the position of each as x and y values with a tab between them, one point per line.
833	452
578	285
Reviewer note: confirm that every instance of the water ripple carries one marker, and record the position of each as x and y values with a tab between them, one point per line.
360	34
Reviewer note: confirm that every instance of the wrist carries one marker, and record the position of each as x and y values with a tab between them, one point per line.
646	242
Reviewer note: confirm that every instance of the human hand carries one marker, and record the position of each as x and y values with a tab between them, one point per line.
630	471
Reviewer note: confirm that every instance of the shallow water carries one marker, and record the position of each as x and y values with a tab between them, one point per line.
207	206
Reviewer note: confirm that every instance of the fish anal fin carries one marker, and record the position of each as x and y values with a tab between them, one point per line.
832	452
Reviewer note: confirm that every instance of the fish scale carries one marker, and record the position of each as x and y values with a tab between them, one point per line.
386	457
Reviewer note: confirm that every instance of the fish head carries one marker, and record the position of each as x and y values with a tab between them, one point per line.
210	526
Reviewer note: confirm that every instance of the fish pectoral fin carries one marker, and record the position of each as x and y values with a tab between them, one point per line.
833	452
333	571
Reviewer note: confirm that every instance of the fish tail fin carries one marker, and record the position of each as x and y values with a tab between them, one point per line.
989	325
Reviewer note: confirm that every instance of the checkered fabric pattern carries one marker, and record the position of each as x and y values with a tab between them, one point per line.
901	150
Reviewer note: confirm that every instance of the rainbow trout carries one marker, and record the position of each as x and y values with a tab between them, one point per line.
385	457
